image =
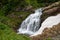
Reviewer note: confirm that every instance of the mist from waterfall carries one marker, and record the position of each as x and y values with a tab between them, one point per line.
31	24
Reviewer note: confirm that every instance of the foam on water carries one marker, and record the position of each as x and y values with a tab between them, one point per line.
48	23
31	24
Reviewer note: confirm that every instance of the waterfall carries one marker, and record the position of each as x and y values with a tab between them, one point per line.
31	24
48	23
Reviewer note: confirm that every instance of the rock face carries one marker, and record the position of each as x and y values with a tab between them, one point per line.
54	8
52	33
48	23
50	10
56	4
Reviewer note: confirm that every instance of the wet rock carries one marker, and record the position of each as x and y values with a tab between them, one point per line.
53	10
52	33
56	4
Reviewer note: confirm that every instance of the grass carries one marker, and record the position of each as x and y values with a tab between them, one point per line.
7	23
17	17
11	20
48	38
6	33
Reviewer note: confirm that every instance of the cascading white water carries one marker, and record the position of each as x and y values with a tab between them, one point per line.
48	23
31	24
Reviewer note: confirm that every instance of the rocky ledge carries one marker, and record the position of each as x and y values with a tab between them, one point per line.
51	33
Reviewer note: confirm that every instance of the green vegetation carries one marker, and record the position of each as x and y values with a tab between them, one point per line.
7	24
49	38
6	33
10	19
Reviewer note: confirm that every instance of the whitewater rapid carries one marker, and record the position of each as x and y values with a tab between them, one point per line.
31	24
48	23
